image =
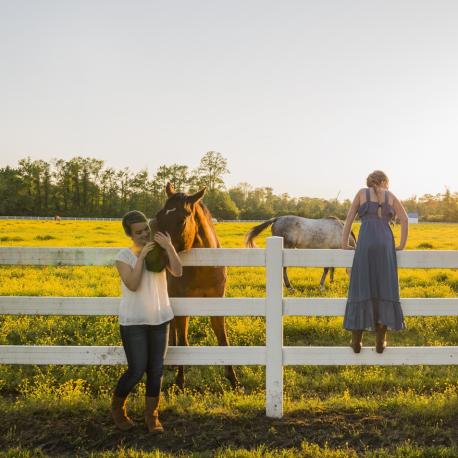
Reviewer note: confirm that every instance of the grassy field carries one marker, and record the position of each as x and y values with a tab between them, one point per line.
329	411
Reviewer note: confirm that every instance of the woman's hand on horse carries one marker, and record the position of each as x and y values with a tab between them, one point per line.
399	248
347	247
146	249
163	239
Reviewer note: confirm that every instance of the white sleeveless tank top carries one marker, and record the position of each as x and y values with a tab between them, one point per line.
150	303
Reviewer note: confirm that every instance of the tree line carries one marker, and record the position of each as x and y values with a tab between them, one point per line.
84	186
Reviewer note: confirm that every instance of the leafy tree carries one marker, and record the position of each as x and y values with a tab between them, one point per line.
83	186
212	168
13	193
176	174
221	205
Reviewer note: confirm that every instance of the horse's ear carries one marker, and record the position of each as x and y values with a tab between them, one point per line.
169	189
193	198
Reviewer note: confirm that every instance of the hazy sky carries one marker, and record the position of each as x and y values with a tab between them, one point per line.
307	97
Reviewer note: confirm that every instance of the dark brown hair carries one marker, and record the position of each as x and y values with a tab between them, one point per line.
132	217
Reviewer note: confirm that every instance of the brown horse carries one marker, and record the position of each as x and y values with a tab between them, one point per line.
190	225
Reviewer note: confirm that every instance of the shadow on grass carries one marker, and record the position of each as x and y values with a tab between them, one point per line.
78	429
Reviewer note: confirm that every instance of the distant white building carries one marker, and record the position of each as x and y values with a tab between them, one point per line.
413	218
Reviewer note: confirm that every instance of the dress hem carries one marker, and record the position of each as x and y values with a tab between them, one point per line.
365	314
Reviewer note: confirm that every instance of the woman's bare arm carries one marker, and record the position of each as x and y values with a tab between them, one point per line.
131	277
403	219
349	221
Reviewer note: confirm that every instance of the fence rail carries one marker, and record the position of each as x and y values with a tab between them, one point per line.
227	306
274	355
52	218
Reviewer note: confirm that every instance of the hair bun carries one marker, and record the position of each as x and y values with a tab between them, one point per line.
376	178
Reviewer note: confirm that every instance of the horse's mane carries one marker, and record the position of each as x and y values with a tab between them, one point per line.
333	218
206	229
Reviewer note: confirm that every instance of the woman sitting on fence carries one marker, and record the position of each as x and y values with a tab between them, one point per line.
144	317
373	296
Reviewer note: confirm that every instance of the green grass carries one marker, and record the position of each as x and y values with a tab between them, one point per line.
329	411
234	424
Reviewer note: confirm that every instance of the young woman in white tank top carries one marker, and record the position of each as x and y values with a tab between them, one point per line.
144	316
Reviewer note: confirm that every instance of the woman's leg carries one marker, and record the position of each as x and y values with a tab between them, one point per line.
158	337
134	339
135	343
356	340
380	337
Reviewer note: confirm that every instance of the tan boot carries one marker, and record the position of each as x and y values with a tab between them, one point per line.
118	412
152	415
356	340
380	336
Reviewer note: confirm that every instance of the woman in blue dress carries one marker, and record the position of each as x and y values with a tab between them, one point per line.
373	296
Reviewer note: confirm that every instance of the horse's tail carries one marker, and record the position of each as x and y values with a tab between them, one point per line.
249	238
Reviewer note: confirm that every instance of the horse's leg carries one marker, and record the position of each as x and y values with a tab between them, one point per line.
219	328
331	274
286	279
323	278
173	337
173	333
181	325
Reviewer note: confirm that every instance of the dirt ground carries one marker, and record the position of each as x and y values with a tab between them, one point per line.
79	431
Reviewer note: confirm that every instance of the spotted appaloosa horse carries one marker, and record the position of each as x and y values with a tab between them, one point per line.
190	225
298	232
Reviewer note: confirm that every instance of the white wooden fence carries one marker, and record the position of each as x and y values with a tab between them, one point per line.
274	355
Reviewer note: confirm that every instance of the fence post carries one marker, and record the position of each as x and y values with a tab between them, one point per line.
274	327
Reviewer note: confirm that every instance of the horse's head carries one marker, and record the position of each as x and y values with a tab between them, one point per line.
177	217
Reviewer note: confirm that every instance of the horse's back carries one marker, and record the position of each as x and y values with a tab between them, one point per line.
299	232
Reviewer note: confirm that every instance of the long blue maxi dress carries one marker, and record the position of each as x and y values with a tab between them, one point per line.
373	294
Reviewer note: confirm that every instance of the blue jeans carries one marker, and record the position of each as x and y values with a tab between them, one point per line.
145	347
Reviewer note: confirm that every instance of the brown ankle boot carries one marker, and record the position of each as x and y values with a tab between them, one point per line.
380	336
356	340
118	412
152	415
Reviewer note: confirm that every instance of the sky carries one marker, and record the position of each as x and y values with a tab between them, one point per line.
307	97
